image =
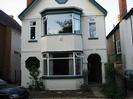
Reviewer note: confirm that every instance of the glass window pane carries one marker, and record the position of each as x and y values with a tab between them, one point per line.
45	27
61	64
78	63
60	23
76	26
92	29
45	66
32	32
32	23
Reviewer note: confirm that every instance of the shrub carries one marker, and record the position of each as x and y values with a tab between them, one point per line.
110	88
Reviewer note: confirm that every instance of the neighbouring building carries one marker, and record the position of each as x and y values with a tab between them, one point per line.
67	39
126	39
120	39
10	47
114	46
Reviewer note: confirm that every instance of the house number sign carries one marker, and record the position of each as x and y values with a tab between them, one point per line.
61	1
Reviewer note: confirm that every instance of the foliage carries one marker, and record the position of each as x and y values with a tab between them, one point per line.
84	87
115	59
33	66
110	88
34	76
66	26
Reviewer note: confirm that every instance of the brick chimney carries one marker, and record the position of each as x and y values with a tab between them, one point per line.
122	8
29	2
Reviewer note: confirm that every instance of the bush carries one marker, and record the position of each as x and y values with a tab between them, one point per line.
36	82
110	88
32	65
84	87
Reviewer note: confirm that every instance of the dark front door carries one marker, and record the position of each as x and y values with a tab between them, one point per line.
94	68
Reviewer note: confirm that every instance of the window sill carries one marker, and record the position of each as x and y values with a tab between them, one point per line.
62	77
94	38
61	34
32	41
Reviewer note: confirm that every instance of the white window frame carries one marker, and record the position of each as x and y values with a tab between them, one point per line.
92	20
76	17
74	64
32	25
45	18
118	47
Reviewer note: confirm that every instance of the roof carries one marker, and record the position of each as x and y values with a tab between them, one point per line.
113	30
117	26
98	6
23	14
128	14
7	20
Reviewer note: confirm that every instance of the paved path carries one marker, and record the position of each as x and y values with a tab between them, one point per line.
93	92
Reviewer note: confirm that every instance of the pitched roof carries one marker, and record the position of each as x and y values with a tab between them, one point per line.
128	14
7	20
113	30
117	26
98	6
22	15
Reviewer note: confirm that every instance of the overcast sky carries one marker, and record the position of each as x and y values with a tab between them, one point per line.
15	7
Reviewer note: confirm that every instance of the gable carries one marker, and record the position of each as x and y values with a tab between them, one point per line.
98	6
35	2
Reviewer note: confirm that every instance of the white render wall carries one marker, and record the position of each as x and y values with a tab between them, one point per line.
127	43
25	36
98	45
61	43
25	73
15	55
63	84
88	8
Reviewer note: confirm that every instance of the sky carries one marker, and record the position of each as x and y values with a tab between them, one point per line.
15	7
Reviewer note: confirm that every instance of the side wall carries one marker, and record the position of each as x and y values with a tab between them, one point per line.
15	56
127	42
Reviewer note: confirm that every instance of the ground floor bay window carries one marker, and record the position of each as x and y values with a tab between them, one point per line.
62	64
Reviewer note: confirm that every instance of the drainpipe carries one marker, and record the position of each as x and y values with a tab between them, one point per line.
131	21
131	28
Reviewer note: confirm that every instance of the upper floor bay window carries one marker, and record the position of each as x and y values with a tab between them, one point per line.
61	21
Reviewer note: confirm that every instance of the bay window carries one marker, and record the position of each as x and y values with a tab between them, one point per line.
59	23
68	23
56	64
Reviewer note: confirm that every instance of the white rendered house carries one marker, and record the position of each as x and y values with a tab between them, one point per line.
68	38
126	38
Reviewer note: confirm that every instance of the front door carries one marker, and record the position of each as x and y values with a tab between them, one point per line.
94	68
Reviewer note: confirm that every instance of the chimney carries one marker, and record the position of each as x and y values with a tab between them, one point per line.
11	16
122	8
29	2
